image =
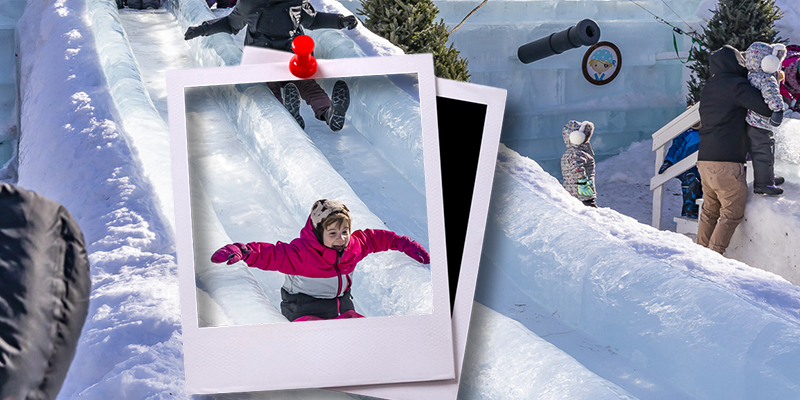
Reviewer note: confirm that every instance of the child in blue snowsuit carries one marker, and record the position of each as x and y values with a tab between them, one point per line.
683	145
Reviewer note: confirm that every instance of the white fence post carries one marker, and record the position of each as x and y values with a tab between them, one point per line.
660	139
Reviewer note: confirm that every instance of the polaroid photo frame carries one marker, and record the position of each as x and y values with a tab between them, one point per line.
279	356
472	152
468	149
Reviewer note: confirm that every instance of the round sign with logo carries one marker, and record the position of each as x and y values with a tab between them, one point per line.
601	63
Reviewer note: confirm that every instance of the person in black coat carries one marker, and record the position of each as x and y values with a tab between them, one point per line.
44	293
274	24
724	101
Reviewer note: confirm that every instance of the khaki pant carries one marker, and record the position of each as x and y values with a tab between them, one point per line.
724	198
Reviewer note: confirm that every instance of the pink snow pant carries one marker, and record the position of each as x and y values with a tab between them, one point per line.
724	198
345	315
310	91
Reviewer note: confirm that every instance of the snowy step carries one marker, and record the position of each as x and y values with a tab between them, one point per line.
686	225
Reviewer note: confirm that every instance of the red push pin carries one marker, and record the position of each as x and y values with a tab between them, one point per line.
303	64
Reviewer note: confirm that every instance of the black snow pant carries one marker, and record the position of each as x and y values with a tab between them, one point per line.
310	91
762	152
294	306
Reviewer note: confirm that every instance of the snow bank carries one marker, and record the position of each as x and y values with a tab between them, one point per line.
712	327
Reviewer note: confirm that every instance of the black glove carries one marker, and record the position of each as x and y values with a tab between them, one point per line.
194	31
776	118
349	21
664	167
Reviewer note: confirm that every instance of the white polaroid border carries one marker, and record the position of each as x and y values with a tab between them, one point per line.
364	351
495	101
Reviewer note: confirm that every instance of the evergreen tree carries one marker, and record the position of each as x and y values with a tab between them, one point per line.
738	23
410	26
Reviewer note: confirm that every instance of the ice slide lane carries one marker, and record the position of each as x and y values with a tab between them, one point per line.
282	206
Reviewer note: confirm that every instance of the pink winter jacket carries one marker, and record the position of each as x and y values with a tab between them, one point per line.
316	270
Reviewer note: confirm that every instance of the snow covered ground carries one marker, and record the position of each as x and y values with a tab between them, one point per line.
572	302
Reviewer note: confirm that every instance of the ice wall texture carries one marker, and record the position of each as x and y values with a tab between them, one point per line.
709	326
10	12
544	95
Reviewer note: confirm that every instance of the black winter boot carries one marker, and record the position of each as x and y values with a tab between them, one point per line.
340	102
687	200
770	190
692	190
778	181
291	100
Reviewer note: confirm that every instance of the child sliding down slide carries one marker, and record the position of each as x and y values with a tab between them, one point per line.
318	265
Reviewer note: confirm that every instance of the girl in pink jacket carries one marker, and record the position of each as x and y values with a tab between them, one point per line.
318	265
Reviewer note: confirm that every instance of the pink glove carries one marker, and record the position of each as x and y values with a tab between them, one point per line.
415	251
231	253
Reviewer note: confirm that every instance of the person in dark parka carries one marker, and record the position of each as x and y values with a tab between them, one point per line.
274	24
44	293
724	101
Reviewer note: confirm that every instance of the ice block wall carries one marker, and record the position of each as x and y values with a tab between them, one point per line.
10	12
542	96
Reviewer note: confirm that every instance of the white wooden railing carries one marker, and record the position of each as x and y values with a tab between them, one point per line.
661	138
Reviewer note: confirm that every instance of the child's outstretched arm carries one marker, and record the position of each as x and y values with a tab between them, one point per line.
376	240
231	23
230	253
281	257
413	249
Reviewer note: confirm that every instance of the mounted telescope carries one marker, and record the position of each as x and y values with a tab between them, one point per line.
585	33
